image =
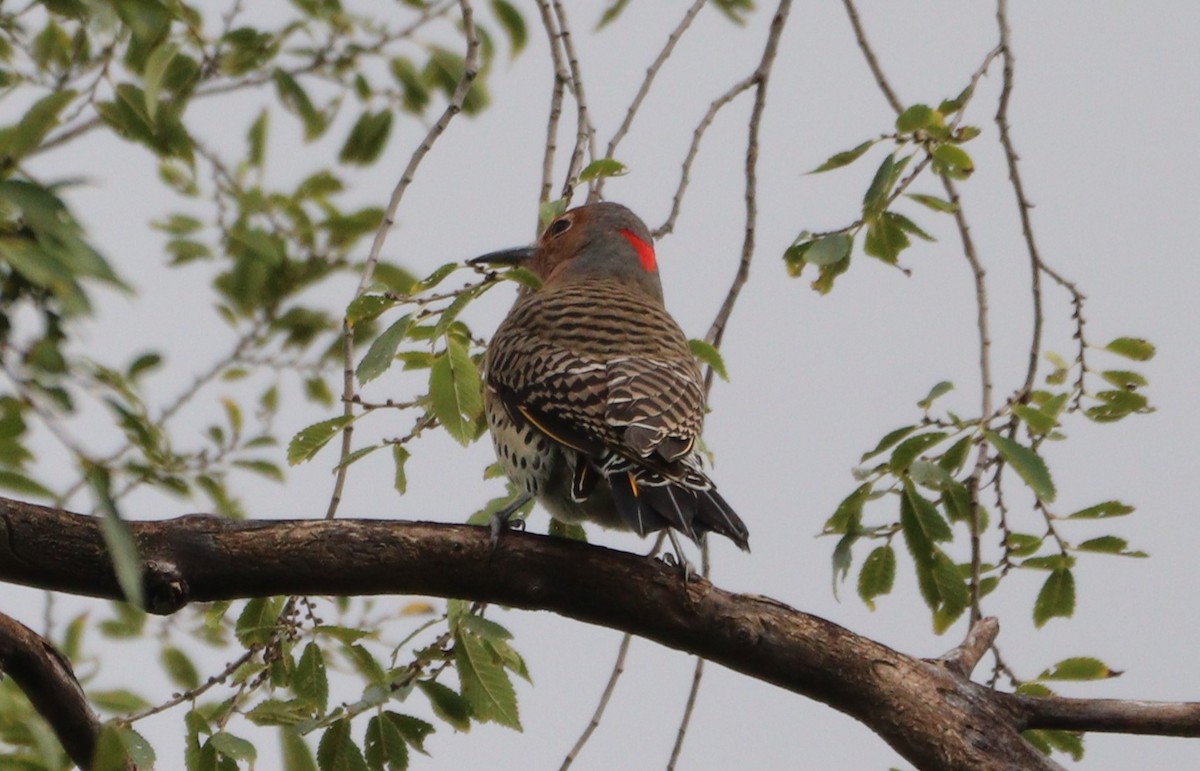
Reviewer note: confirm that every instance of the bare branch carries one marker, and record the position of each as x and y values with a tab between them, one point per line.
1126	716
470	70
585	133
762	76
697	677
869	54
594	723
963	659
1023	205
644	89
931	716
697	135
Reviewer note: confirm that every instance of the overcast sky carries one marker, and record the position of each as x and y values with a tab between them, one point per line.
1105	116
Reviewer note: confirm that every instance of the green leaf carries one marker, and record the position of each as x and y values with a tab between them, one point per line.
257	621
154	73
118	539
1079	668
570	530
1110	544
908	450
414	729
485	628
280	713
844	158
416	95
485	683
1132	348
295	752
885	239
604	167
386	749
710	356
436	277
382	353
829	249
1038	421
110	753
310	681
337	751
513	23
455	391
952	590
888	441
952	459
27	134
930	475
881	186
1070	742
23	485
368	306
179	668
1056	599
1027	463
309	441
1103	510
367	138
918	116
234	747
848	516
941	389
550	210
447	704
933	202
400	480
843	558
924	515
877	575
952	161
118	700
1124	378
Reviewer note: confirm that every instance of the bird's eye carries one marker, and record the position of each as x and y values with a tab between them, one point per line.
559	226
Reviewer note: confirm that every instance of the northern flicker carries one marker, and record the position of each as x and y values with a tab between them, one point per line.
592	395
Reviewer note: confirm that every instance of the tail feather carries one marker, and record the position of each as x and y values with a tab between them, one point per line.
685	499
630	505
715	515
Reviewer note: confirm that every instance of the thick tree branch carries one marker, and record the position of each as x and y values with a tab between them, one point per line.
46	678
932	716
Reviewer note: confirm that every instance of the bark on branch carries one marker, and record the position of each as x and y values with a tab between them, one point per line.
928	711
46	678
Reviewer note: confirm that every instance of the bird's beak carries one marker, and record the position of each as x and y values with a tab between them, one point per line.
516	256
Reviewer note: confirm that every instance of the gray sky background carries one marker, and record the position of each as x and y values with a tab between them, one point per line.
1104	115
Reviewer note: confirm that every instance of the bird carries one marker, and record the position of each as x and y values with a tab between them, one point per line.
592	395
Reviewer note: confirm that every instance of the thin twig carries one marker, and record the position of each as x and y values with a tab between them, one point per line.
869	54
697	135
556	100
470	70
594	723
761	77
1023	205
979	276
697	677
585	132
644	89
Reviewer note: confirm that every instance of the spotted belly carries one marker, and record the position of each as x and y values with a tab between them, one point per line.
544	468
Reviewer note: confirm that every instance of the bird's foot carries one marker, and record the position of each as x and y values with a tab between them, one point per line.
675	558
503	519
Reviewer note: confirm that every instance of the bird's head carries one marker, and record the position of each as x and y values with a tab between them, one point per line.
597	241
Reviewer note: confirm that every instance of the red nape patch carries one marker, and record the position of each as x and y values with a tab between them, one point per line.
645	251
